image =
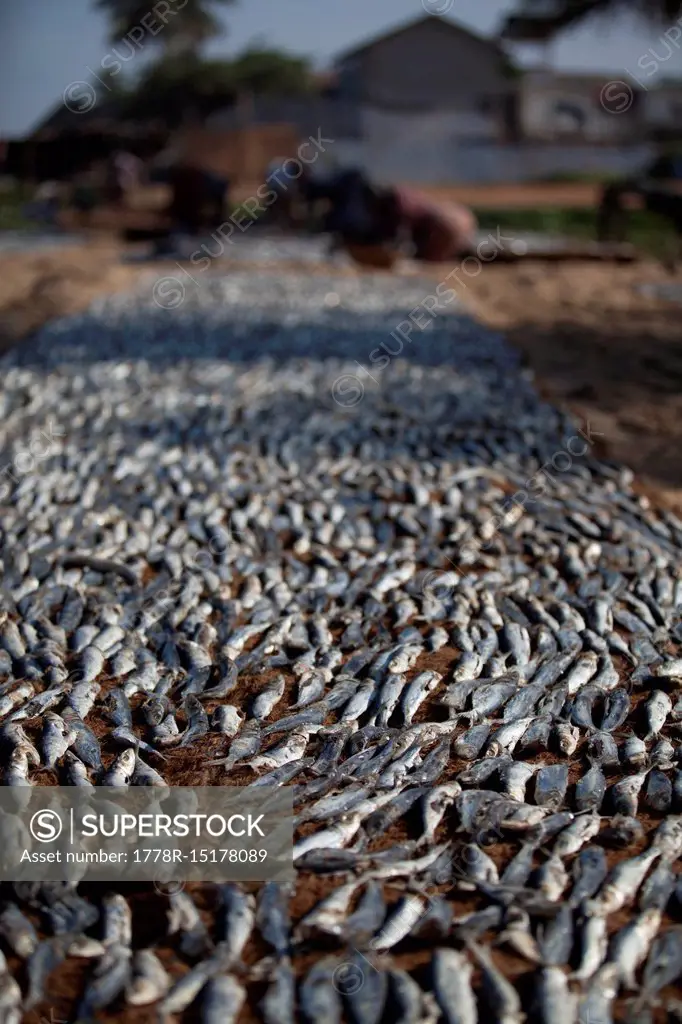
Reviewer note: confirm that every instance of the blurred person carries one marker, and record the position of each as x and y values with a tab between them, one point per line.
218	188
283	212
376	224
124	173
198	196
198	200
658	190
439	232
45	205
86	191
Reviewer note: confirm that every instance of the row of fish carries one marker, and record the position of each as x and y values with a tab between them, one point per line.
456	639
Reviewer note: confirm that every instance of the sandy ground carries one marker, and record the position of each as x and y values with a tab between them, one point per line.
597	344
571	194
577	195
150	199
574	194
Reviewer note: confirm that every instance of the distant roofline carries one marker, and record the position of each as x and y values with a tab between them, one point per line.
562	74
405	26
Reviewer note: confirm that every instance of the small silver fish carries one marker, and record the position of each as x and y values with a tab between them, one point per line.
622	884
121	770
150	981
226	719
574	837
452	986
594	943
498	992
631	945
555	1002
657	707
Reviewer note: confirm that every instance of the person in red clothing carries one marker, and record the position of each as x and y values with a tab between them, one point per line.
439	232
364	217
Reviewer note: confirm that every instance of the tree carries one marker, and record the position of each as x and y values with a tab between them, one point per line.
185	29
271	71
541	20
178	86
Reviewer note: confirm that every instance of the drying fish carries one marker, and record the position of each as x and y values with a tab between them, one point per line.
226	720
320	992
290	749
622	884
579	832
364	990
183	917
17	931
554	1001
594	944
500	996
246	743
242	521
630	946
551	783
589	871
272	917
277	1005
121	769
222	999
149	982
658	707
452	986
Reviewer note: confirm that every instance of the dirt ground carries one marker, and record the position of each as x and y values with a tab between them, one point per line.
597	344
578	194
575	194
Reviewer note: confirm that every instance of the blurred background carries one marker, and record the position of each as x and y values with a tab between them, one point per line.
545	99
133	132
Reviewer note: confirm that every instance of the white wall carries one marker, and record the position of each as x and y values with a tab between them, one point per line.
663	107
419	147
488	164
460	147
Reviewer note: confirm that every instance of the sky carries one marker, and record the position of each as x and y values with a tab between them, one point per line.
47	45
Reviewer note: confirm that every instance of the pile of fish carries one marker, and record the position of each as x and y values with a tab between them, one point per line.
238	548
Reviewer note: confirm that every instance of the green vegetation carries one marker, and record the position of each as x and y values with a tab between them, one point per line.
190	26
180	84
647	231
576	177
184	83
13	196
